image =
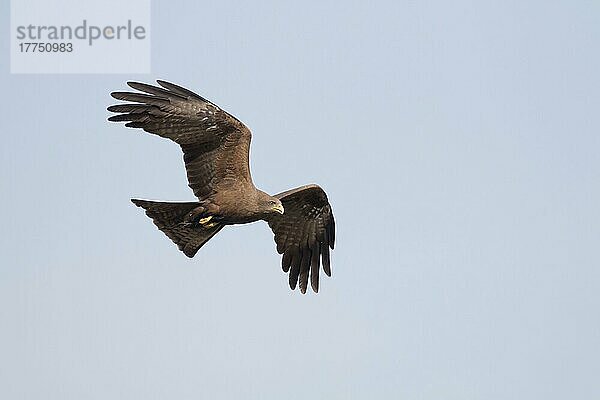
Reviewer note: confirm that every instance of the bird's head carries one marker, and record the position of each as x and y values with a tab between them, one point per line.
275	205
270	204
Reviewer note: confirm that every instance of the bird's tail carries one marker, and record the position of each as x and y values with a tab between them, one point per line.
171	219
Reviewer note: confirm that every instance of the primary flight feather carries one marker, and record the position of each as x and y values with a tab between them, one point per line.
216	148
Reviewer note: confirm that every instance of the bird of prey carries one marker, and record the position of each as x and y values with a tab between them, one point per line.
216	148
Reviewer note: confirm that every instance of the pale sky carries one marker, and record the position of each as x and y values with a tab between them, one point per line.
458	143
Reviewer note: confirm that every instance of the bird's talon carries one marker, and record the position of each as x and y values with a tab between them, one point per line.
204	221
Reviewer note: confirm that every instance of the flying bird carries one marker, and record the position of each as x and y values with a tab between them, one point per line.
216	147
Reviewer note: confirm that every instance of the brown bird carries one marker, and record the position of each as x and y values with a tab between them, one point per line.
216	148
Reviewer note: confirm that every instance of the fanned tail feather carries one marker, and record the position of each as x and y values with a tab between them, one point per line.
170	219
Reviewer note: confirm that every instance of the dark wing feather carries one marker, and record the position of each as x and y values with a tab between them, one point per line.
304	234
215	144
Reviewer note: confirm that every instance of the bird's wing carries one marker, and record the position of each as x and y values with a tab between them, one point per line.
304	234
215	144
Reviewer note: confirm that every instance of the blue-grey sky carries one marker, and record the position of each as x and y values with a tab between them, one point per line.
458	143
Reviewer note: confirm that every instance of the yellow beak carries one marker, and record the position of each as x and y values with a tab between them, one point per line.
278	208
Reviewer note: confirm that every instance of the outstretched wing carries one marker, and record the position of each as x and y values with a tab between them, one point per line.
215	144
304	234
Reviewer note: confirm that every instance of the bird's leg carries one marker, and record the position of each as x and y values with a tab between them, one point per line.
193	215
203	215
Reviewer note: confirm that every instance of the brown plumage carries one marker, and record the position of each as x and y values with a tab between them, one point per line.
216	148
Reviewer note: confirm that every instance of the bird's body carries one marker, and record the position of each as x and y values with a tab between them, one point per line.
216	149
244	206
235	206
